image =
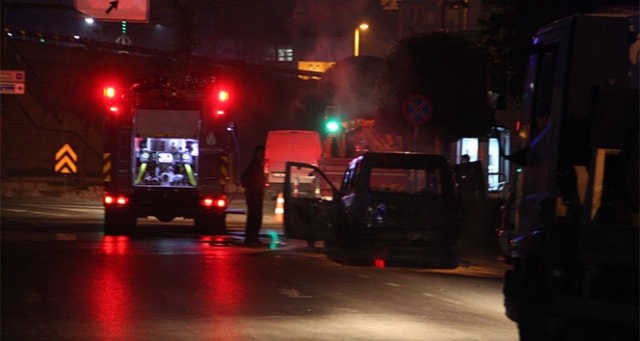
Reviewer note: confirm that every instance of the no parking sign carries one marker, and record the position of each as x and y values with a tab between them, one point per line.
417	109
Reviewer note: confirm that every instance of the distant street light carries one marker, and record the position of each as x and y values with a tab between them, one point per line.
356	41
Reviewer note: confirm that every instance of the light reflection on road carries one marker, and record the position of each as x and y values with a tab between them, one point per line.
110	301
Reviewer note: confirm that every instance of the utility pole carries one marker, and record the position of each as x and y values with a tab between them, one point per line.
400	23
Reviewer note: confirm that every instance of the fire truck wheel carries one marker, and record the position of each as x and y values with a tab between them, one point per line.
118	223
534	308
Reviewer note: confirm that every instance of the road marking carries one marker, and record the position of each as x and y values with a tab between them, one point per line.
448	300
51	214
14	210
83	210
68	209
394	285
66	236
292	293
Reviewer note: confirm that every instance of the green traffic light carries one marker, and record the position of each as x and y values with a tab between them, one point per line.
333	126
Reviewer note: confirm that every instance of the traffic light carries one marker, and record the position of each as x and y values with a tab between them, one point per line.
332	126
332	119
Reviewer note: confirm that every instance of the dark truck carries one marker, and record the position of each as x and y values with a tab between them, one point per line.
391	206
571	232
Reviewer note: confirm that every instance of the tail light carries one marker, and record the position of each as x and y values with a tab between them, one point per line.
266	168
115	200
211	202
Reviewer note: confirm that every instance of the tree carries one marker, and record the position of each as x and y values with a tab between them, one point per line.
447	70
508	27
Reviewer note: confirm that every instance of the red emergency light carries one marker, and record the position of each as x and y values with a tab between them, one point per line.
223	96
222	99
110	96
109	92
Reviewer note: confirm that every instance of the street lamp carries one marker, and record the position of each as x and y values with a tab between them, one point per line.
356	40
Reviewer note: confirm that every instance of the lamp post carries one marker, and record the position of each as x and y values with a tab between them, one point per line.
356	40
455	4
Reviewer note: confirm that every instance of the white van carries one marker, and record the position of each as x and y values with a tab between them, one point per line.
290	145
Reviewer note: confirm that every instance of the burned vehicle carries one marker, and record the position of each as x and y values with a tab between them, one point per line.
391	206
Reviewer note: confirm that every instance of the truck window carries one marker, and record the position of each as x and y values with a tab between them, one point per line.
541	97
407	181
348	181
543	90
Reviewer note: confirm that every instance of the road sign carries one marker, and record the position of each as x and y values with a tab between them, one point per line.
417	109
12	88
65	160
112	10
11	76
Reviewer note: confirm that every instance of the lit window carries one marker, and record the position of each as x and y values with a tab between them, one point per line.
285	54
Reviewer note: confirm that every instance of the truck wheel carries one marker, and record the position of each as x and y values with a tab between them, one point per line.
118	223
534	308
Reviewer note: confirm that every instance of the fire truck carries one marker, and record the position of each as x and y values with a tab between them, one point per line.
571	233
166	154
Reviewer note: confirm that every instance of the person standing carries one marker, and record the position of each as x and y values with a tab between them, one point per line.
252	180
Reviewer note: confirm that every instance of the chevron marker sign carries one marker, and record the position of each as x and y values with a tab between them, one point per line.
65	160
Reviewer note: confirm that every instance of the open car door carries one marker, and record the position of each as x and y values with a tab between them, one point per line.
309	208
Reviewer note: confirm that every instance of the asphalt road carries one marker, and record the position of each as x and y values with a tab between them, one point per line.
63	280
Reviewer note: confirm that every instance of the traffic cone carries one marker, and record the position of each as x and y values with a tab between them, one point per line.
278	217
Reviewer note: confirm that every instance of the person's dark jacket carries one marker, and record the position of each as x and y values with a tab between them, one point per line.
252	178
